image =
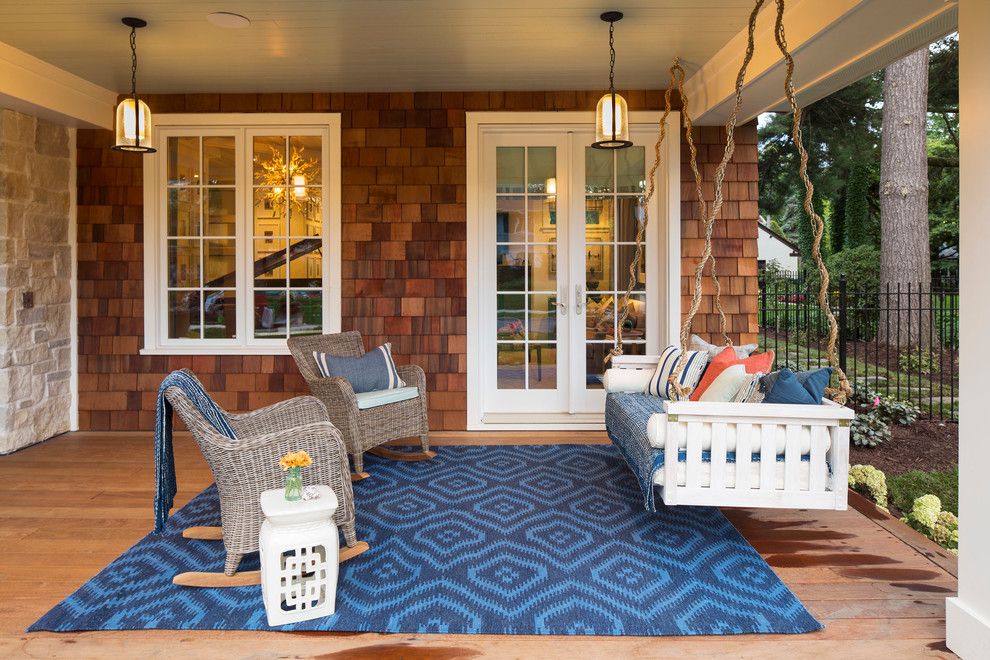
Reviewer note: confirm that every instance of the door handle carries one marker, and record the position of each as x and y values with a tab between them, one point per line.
562	302
579	294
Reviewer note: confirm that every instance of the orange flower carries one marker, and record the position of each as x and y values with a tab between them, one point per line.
293	459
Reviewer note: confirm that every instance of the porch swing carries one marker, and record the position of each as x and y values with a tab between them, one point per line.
768	455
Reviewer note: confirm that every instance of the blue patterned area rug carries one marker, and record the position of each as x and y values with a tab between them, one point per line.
516	540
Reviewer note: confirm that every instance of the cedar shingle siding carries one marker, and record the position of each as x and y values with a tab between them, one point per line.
404	247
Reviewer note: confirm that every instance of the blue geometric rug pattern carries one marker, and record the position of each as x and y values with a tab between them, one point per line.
518	540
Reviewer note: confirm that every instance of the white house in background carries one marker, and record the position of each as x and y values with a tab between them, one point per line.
771	246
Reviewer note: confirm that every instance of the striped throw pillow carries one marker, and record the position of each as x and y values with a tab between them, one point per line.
373	371
750	392
694	367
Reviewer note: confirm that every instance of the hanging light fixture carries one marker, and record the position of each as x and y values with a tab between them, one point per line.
133	123
612	114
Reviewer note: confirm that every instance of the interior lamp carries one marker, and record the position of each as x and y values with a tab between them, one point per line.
132	126
612	113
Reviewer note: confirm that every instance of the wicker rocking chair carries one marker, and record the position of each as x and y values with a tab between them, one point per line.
245	467
364	430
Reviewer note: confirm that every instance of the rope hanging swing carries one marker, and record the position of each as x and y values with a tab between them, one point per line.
710	212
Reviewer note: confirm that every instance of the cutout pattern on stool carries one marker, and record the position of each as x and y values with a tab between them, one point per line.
303	578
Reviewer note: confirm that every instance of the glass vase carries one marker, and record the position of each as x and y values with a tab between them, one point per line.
293	484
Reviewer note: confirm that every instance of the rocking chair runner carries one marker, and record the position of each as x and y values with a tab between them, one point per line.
245	467
364	430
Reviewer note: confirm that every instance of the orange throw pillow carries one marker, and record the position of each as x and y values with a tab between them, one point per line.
759	363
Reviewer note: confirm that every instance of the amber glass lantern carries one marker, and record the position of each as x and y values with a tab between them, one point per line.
132	125
612	113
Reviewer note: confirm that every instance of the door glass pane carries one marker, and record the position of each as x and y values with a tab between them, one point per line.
183	212
598	267
269	212
269	161
511	365
598	170
629	218
511	316
542	170
269	314
183	315
598	219
631	170
269	262
510	169
600	317
219	260
542	219
305	263
218	161
183	263
305	160
634	327
307	313
510	267
594	364
510	219
542	317
220	314
542	268
306	212
626	254
542	366
220	211
183	161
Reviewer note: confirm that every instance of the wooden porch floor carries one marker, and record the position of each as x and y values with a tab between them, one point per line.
71	505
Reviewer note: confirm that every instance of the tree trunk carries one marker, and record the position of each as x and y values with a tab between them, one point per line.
905	264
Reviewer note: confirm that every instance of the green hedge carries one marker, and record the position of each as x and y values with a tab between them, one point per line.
905	488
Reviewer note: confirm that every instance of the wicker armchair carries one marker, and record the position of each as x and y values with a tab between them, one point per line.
248	465
364	430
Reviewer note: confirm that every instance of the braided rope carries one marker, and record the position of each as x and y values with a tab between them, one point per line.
713	211
842	393
641	229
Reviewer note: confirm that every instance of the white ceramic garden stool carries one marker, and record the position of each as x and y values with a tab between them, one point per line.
299	549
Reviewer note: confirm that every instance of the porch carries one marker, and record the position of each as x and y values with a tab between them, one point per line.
871	580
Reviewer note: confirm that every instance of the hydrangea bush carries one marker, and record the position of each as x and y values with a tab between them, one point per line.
870	481
927	517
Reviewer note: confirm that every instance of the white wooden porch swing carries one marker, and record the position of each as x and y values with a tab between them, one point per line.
741	454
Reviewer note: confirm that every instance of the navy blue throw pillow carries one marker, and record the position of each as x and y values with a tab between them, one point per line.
371	372
787	389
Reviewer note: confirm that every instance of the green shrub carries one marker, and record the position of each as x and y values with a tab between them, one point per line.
926	516
906	488
869	430
919	361
891	411
870	481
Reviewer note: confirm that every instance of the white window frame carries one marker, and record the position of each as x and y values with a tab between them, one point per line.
156	340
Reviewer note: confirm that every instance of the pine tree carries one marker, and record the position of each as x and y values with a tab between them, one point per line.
857	208
837	227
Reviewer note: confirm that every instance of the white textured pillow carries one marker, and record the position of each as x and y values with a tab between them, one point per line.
699	344
726	384
627	380
750	391
694	368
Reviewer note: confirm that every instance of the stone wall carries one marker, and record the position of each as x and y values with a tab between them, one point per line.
35	279
404	225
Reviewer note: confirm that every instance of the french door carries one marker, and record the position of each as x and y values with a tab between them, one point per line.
557	231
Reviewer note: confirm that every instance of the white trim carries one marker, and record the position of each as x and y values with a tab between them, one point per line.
967	633
834	44
156	341
73	287
669	245
38	88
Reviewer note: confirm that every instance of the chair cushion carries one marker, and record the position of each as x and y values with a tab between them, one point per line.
377	398
373	371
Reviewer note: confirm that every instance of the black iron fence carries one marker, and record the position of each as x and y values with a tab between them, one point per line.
896	341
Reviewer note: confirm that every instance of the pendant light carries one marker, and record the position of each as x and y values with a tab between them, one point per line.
612	113
133	122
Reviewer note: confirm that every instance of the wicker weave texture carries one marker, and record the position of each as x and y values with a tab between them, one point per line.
361	429
248	465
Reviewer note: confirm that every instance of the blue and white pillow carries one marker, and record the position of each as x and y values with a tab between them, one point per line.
694	368
372	372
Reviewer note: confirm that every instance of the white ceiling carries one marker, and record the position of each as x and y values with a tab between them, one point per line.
372	45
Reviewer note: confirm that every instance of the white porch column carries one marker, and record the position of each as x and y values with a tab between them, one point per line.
968	615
